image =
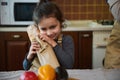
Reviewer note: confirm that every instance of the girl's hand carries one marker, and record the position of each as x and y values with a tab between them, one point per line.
48	40
33	50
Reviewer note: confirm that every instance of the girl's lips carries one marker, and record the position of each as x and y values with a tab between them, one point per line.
52	37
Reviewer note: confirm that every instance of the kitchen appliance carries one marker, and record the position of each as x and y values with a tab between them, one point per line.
16	12
100	39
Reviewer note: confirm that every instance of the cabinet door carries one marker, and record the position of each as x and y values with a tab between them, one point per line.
2	53
75	38
16	47
85	50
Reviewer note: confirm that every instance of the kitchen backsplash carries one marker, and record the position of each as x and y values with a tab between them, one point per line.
84	9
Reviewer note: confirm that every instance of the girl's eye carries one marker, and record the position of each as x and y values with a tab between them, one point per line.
52	27
43	29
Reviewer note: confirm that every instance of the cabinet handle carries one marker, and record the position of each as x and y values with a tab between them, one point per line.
86	35
16	36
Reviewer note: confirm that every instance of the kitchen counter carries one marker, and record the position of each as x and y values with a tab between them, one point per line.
71	28
91	28
72	25
12	29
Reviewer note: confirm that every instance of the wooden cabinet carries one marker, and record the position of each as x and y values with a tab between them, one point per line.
83	48
2	53
14	47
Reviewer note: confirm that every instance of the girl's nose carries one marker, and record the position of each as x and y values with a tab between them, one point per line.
49	32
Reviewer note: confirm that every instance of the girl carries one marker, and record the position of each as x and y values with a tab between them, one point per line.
49	20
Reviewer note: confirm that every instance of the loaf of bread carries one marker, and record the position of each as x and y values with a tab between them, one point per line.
46	54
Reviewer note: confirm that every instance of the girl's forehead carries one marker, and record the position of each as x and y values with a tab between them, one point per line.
48	20
48	17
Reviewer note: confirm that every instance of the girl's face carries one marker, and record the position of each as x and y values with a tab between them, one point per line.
50	27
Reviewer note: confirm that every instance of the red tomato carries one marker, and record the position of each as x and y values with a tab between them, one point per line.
28	75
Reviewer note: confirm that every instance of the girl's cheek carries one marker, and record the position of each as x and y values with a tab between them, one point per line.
42	32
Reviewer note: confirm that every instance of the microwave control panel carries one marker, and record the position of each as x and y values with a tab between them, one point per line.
4	11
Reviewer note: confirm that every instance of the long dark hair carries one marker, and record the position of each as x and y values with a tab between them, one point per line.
47	9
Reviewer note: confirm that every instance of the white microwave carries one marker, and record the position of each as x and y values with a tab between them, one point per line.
17	12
